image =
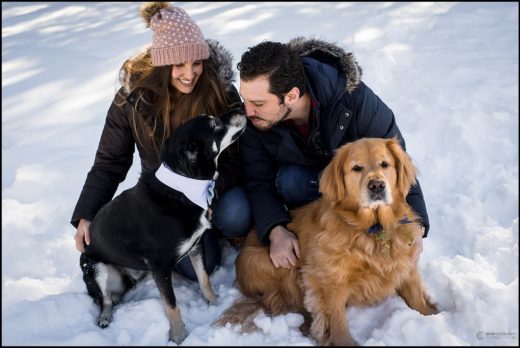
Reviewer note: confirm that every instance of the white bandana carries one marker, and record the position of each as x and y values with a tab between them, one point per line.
199	192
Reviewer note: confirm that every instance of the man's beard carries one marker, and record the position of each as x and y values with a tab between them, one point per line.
271	124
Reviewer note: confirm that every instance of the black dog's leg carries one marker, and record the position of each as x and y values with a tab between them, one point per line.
163	280
105	284
89	277
197	260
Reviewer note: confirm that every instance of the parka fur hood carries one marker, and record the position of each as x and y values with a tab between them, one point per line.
332	54
219	57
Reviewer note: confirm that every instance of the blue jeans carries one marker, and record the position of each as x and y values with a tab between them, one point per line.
233	217
297	184
212	256
232	214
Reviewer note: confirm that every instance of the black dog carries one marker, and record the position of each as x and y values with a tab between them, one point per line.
160	220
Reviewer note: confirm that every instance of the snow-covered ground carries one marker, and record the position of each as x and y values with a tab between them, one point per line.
448	70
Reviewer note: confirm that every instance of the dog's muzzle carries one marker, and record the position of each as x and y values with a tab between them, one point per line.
236	120
377	190
235	124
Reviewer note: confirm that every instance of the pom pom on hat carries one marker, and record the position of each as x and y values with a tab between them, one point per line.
177	38
149	9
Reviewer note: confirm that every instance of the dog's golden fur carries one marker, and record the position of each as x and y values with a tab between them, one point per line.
340	263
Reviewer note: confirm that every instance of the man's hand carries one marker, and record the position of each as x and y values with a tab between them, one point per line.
284	250
82	235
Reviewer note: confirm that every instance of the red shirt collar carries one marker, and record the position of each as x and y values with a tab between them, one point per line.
305	129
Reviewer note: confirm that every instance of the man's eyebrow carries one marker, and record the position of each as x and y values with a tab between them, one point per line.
255	100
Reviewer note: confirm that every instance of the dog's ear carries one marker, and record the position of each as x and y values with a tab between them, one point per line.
332	182
406	171
192	153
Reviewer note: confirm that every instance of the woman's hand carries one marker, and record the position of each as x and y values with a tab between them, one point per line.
82	235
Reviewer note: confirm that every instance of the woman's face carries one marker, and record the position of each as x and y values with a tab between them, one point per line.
186	75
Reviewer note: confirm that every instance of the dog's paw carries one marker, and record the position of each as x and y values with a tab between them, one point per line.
344	341
428	307
178	332
432	309
104	320
210	297
213	300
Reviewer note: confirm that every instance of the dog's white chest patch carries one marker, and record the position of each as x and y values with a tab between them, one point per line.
188	244
108	278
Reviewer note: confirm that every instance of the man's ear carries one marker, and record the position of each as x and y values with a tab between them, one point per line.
292	96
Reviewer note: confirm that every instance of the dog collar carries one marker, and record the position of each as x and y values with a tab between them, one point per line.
199	192
376	228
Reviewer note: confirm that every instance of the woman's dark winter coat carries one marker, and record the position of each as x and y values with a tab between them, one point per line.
116	148
345	110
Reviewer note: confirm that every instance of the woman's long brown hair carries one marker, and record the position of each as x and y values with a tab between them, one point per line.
160	107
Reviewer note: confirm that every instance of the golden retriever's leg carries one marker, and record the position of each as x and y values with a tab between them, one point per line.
329	323
253	267
278	288
305	328
339	331
413	293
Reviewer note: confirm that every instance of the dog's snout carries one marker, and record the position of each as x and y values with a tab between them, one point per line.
378	191
235	117
240	109
237	110
376	186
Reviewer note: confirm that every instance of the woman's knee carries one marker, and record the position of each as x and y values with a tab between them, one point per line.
212	257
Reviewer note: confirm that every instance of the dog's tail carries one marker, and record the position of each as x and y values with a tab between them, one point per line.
243	312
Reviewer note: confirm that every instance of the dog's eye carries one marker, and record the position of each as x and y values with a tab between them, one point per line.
384	164
216	123
357	168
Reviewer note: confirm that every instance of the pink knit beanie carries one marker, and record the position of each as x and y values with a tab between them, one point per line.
177	38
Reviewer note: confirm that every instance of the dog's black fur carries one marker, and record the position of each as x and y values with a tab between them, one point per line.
151	226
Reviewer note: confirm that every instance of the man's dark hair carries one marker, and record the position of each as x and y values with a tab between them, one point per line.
278	62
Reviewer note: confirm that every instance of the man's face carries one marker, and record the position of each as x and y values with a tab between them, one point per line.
262	107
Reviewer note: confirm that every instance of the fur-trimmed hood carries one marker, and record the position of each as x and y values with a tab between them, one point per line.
219	57
332	54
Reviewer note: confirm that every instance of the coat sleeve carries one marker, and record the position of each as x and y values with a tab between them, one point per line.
114	158
375	119
259	177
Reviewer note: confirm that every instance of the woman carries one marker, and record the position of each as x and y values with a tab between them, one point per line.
180	75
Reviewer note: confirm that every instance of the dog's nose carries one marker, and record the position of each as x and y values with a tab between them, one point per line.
376	186
240	109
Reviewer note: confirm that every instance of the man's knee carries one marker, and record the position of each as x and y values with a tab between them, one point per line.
232	214
297	184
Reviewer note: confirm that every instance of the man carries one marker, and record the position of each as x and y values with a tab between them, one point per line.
303	100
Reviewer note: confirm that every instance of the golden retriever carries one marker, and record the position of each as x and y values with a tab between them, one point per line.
356	242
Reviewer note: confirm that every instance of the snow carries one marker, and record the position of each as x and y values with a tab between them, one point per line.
448	70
